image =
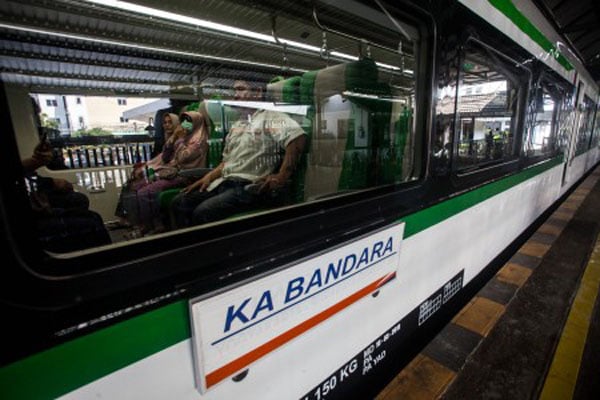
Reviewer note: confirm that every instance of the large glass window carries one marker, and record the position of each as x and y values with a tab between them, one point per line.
549	104
586	120
490	92
566	116
273	108
443	137
596	133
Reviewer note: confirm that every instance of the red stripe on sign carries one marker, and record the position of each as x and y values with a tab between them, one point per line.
240	363
386	279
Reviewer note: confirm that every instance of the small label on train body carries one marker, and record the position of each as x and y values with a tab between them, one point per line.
339	384
242	327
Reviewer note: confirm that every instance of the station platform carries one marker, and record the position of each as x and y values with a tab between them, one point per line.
533	331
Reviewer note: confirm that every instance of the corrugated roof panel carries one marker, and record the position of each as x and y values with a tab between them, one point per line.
83	57
83	84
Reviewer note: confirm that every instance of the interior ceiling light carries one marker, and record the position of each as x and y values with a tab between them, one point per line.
137	46
205	24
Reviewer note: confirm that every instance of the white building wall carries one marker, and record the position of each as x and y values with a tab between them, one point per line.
87	112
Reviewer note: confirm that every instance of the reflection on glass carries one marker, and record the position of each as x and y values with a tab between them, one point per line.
355	115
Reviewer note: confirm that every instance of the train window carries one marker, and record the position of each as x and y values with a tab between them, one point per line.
548	103
490	92
566	117
596	133
445	106
267	111
586	121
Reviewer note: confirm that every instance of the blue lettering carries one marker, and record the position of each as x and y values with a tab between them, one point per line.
376	250
232	314
389	246
364	257
294	286
346	270
333	272
314	281
265	303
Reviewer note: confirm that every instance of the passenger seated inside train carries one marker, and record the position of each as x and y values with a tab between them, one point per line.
63	221
261	152
185	148
176	107
141	171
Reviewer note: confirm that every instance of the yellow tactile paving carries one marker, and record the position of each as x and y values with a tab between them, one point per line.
514	273
560	390
562	376
423	379
480	315
535	249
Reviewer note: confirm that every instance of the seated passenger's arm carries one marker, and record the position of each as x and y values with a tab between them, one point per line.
62	185
293	152
202	183
192	154
42	155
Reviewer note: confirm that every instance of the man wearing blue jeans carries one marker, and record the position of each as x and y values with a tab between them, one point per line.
248	177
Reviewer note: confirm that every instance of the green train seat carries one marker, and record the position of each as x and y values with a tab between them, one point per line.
342	137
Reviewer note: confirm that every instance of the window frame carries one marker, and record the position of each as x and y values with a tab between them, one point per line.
509	162
562	97
586	109
106	261
595	142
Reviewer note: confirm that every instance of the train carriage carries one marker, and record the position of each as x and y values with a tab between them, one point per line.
436	137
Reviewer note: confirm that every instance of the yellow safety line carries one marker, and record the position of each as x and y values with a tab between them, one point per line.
562	376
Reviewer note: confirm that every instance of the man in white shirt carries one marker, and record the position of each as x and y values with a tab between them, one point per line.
260	155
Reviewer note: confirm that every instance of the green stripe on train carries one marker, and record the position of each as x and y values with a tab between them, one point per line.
64	368
422	220
507	8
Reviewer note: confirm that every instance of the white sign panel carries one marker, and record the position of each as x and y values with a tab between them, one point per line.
242	326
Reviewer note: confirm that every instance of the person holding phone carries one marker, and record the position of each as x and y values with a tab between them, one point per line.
62	217
42	155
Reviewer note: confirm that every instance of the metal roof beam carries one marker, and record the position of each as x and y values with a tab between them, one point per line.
84	77
53	56
572	28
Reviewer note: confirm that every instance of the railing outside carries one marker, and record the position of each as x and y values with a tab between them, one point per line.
100	151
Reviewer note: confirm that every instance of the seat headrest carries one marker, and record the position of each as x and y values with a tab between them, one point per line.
284	91
337	79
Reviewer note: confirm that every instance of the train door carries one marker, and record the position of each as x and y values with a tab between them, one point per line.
571	122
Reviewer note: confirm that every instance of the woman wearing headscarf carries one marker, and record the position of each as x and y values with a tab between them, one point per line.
189	150
170	124
138	177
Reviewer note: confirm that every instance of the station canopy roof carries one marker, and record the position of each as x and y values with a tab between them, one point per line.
98	47
146	111
579	22
160	50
